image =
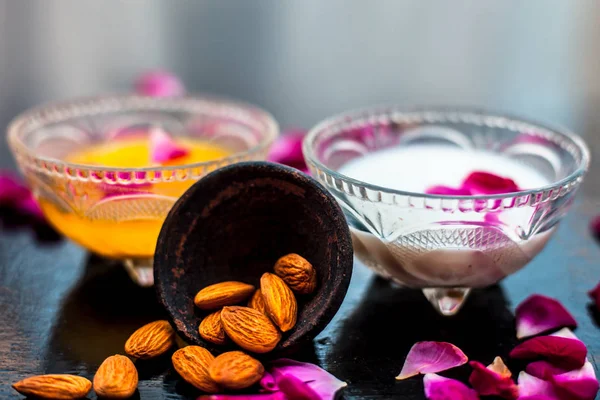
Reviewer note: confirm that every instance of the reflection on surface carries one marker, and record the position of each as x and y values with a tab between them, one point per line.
380	329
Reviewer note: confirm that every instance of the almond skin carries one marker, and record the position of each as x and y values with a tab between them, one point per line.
297	273
55	386
116	378
257	302
192	363
211	329
236	370
279	300
250	329
150	340
223	294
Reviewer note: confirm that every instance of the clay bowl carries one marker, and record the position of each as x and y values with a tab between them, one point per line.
233	225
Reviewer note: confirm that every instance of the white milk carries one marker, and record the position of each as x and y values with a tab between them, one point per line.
446	248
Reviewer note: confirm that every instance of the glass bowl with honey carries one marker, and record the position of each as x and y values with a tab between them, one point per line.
107	170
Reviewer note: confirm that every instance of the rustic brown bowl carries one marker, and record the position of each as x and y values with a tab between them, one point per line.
233	225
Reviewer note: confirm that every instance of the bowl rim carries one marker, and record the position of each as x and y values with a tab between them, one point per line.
55	112
446	113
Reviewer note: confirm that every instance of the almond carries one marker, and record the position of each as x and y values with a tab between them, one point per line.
191	363
56	386
236	370
116	378
223	294
150	340
297	273
279	300
257	302
211	328
250	329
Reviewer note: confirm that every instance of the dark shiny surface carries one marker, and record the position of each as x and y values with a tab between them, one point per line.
63	311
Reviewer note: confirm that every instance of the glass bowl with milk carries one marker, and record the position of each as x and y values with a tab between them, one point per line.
380	162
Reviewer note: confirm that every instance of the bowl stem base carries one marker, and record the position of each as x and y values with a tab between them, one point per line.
447	301
140	271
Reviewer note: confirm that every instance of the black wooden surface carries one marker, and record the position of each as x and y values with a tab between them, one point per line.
62	311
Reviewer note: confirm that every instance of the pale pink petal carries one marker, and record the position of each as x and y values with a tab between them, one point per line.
532	386
295	389
287	150
320	381
159	84
579	384
441	388
431	357
163	148
562	352
538	314
493	380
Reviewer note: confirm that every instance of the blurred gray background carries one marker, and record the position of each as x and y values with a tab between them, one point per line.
304	60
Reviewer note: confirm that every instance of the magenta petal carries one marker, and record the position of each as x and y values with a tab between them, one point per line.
431	357
562	352
30	206
267	382
320	381
530	386
543	369
262	396
440	388
538	314
11	189
565	333
482	183
287	150
159	84
578	384
595	226
595	292
488	382
163	148
448	191
295	389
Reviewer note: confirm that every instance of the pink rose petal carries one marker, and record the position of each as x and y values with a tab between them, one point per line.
595	293
565	333
543	369
11	189
262	396
324	384
493	380
295	389
595	226
159	84
538	314
578	384
562	352
163	148
530	386
448	191
431	357
441	388
287	150
482	183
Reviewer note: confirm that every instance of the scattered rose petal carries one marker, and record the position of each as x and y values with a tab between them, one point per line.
565	333
493	380
163	148
295	389
324	384
543	369
287	150
441	388
262	396
530	386
538	314
448	191
595	226
562	352
159	84
431	357
16	196
595	293
482	183
578	384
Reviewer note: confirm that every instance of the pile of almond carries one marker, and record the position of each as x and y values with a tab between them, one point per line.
257	328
